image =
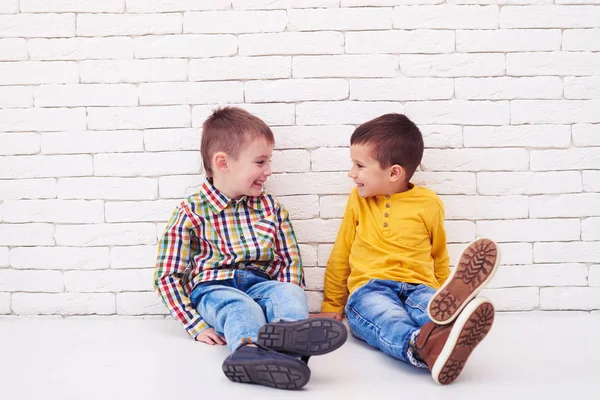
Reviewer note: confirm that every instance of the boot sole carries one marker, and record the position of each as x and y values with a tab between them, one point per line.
476	267
279	374
468	331
310	337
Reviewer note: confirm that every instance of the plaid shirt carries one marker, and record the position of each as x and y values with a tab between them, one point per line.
209	236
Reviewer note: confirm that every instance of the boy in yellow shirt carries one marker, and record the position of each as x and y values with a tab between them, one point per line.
390	257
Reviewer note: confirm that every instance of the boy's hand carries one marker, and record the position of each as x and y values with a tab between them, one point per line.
333	315
209	336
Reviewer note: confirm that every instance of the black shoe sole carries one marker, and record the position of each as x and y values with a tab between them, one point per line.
279	374
309	337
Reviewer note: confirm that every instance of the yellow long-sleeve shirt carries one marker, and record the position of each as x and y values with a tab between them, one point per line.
399	237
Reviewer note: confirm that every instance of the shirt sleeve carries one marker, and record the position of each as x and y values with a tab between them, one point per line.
172	260
338	266
288	251
439	250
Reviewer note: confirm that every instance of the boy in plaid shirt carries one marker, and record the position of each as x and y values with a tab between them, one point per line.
228	265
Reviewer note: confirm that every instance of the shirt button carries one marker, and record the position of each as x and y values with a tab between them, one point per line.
386	215
385	224
247	256
387	205
241	237
387	196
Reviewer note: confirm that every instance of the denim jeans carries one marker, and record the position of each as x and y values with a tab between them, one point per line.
236	308
389	315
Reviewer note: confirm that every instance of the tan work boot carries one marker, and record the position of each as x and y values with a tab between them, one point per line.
445	348
475	268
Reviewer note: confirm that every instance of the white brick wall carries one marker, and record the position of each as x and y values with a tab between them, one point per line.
101	105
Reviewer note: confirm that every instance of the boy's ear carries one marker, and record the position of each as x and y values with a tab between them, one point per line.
397	173
220	161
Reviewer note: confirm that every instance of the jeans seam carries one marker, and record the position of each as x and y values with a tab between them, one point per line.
376	328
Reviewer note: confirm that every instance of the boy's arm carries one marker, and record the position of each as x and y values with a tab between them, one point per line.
172	259
338	265
286	247
439	250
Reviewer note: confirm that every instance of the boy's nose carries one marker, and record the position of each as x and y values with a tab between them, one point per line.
351	174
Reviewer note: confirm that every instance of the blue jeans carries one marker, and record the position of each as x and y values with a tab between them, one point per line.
389	315
236	308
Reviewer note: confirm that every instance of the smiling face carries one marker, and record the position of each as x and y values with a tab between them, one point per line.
370	178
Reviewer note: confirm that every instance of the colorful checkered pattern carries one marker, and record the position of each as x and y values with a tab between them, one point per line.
209	236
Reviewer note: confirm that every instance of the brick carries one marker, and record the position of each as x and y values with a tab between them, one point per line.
82	6
290	137
314	300
108	188
570	298
591	181
35	72
172	139
15	96
400	41
19	143
108	281
594	275
26	234
540	275
317	230
301	207
552	63
590	229
582	87
330	159
557	136
140	211
509	40
531	183
476	160
13	49
234	21
293	3
185	46
292	90
530	230
133	71
308	254
340	19
581	39
511	253
291	43
442	136
111	118
105	234
271	114
573	158
4	260
554	111
485	207
8	7
549	17
191	93
459	112
37	25
45	166
63	303
345	66
14	189
402	89
586	135
42	119
143	303
133	257
566	205
513	299
85	95
567	252
128	24
309	182
446	182
314	278
61	211
333	206
81	48
158	6
446	17
505	88
147	164
234	68
5	300
324	251
290	161
91	142
179	187
453	65
460	231
12	280
345	112
59	258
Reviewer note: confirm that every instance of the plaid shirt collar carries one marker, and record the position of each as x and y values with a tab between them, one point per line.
218	201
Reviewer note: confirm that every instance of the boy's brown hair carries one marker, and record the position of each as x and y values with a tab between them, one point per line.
228	129
394	139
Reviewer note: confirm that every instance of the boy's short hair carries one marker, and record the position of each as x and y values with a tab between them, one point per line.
395	139
228	130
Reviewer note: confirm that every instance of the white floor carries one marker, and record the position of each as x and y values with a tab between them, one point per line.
526	356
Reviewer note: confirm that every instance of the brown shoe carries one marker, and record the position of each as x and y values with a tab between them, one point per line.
475	268
445	348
